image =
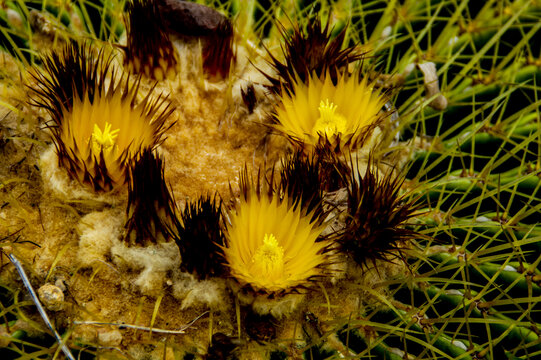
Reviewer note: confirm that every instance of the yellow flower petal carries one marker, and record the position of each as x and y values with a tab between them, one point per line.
271	244
320	110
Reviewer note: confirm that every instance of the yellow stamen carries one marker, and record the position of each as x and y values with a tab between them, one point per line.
103	140
269	258
329	123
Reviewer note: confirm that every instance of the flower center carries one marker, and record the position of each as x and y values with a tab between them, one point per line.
103	140
269	258
329	123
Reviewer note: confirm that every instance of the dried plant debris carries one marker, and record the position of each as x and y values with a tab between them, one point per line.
307	178
300	179
148	50
432	86
189	18
249	98
261	328
377	216
199	21
223	347
309	53
199	237
151	211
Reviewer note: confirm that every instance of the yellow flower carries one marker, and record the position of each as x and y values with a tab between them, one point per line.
106	132
97	127
272	245
318	110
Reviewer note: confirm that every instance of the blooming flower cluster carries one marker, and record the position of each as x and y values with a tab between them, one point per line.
272	240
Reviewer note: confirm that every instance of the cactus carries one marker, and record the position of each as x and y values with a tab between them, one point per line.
461	277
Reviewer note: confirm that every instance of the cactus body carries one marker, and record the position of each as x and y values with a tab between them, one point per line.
471	284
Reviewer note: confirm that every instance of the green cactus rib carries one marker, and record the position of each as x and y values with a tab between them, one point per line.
59	13
319	352
482	272
525	184
13	41
494	136
485	235
472	102
99	19
482	141
473	30
451	308
352	338
406	330
515	198
447	303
